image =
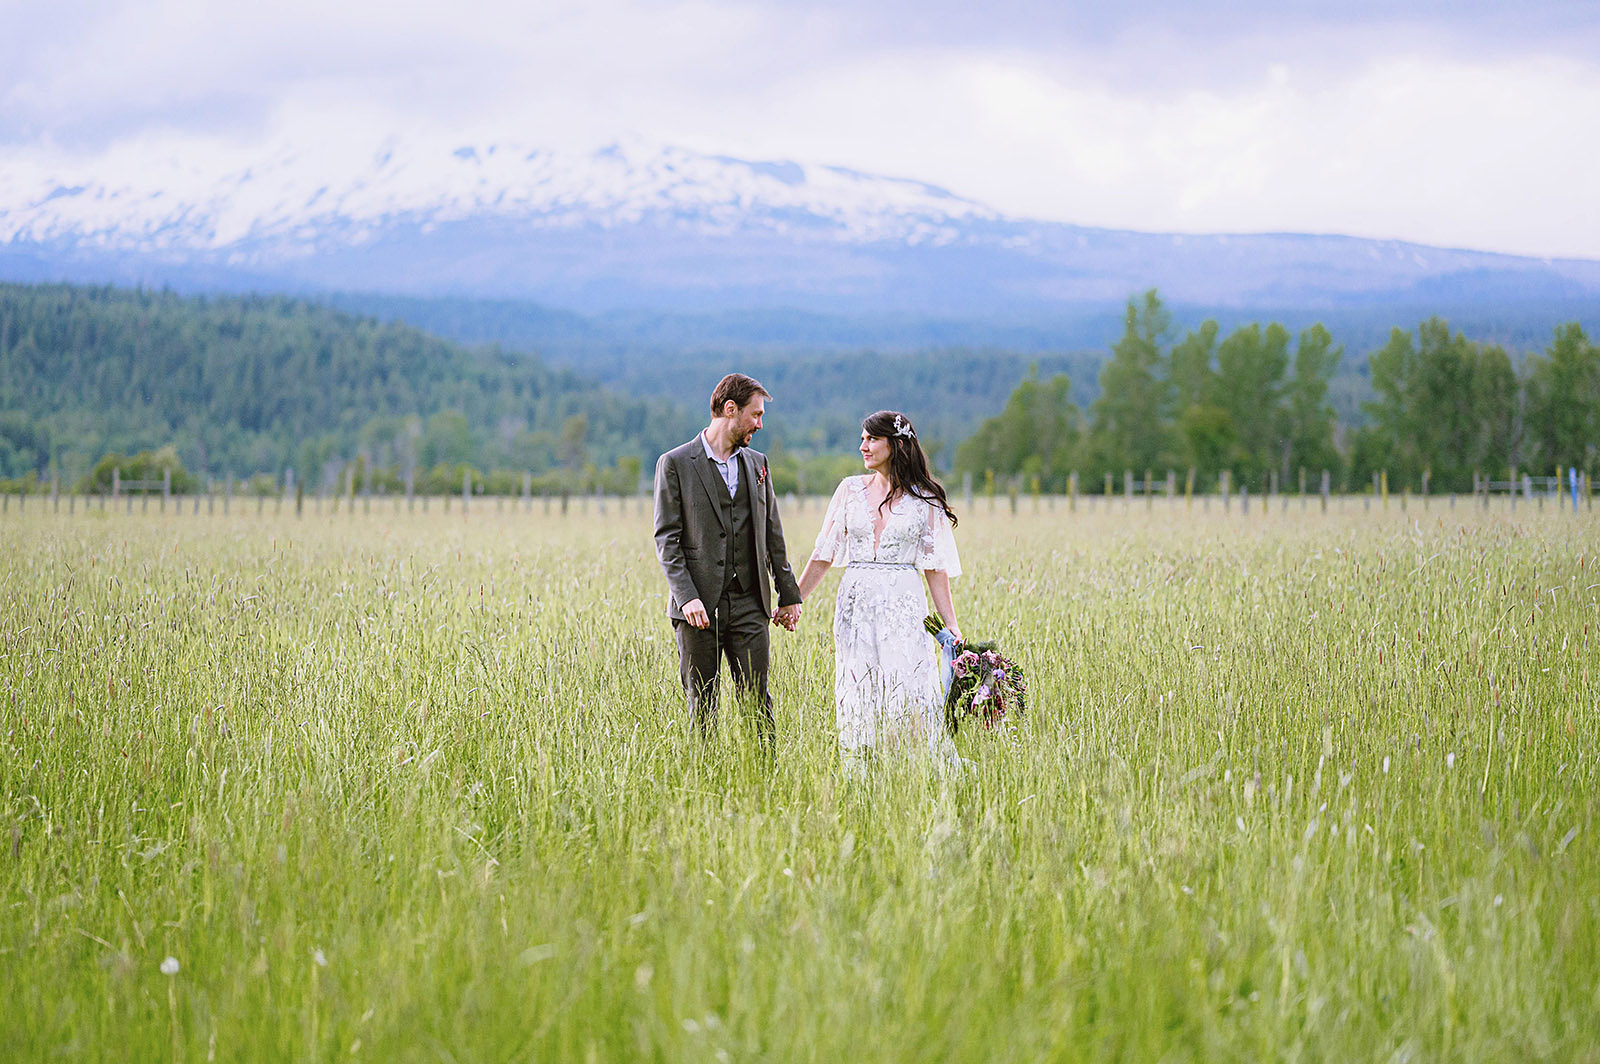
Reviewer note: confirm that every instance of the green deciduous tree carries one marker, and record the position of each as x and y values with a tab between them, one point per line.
1563	414
1312	422
1129	427
1037	433
1444	404
1251	363
146	466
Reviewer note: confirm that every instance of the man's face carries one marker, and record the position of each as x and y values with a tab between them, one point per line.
747	420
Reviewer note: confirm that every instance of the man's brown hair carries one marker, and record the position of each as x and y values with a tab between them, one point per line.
739	388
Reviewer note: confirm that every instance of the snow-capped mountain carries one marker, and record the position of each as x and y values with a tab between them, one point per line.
300	198
635	224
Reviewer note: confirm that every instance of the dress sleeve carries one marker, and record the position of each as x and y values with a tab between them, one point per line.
833	544
938	547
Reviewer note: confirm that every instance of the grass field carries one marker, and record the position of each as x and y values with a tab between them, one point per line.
421	788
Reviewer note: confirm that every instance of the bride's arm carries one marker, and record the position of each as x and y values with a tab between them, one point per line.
816	568
939	588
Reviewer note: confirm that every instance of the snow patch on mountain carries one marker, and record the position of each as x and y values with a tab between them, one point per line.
296	196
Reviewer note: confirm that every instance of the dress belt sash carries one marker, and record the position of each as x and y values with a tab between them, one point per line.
882	565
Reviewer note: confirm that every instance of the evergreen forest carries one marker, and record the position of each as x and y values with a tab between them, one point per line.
269	384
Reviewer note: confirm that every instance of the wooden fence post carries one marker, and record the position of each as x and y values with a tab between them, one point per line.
1072	492
1225	482
1326	483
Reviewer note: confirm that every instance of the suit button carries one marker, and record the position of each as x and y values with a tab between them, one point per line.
723	535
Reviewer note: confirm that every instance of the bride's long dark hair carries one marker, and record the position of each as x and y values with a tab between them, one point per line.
908	466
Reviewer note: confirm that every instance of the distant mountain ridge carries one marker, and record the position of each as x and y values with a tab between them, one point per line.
636	225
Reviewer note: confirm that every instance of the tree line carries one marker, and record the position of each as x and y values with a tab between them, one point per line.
1254	403
244	385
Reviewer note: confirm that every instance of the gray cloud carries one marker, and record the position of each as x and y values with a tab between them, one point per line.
1355	117
81	72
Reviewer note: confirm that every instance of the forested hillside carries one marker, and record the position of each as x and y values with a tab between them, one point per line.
246	385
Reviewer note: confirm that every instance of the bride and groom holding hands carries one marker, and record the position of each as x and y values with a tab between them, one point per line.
720	544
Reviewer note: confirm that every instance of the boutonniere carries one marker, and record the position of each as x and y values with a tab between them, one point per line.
761	477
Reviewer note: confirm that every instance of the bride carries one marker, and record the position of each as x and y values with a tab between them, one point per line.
885	527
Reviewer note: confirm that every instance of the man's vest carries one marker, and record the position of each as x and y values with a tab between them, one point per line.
741	542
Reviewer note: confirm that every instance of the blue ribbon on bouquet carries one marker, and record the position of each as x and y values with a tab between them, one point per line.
947	644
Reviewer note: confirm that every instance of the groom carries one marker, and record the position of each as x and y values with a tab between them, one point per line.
718	537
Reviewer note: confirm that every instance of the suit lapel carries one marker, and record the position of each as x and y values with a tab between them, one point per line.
716	489
758	496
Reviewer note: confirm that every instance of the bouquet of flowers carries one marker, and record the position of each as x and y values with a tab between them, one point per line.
979	681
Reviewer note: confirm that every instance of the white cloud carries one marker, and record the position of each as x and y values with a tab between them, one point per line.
1317	127
1483	155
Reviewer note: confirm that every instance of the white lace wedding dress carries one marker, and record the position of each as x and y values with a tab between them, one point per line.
886	673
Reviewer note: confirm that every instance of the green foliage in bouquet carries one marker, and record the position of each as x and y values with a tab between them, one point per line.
983	683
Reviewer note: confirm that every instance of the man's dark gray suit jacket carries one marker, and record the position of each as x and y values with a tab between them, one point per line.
690	523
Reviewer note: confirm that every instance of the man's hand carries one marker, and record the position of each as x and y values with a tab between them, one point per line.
787	616
694	611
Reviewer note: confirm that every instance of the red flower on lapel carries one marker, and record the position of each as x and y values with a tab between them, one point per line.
761	477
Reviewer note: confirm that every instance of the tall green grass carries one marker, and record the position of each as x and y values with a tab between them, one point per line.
423	788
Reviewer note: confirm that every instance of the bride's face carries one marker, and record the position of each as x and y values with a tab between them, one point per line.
875	452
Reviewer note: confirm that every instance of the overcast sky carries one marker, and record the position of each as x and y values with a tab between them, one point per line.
1466	124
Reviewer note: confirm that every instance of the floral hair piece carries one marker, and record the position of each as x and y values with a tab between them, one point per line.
902	427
